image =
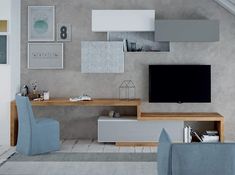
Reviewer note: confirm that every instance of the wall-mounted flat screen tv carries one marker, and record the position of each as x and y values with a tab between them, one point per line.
179	83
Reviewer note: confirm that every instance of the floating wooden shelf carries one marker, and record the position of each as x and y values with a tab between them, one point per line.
196	116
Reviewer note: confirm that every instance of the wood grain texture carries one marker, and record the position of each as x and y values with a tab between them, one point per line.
196	116
13	124
94	102
131	144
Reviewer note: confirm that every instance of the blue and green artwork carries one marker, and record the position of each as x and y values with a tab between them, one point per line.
41	26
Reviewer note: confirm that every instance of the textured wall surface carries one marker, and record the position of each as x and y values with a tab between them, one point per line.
102	57
81	122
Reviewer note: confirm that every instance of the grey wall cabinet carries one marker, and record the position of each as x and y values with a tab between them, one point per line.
102	57
131	130
187	30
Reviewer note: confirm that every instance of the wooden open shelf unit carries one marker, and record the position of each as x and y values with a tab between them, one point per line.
194	116
200	117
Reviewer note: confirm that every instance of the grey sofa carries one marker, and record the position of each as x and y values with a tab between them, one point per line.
195	158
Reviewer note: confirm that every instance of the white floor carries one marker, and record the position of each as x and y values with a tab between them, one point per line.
80	168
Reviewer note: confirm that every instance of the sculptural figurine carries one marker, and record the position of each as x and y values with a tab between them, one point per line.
25	90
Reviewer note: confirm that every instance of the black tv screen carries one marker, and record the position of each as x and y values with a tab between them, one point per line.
180	83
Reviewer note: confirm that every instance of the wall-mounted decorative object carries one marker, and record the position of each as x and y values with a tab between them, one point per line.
41	23
3	49
3	25
127	90
64	32
102	57
45	55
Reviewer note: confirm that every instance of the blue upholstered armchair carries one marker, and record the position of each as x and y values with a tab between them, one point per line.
35	136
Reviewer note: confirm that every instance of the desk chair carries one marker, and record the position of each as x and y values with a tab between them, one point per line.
35	136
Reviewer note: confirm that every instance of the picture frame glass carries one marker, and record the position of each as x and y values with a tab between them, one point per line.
3	49
45	55
41	21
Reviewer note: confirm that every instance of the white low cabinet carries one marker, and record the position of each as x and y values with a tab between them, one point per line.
123	20
132	130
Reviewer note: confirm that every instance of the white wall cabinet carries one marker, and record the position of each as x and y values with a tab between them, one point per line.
123	20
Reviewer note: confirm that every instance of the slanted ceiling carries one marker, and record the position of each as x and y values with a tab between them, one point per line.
228	5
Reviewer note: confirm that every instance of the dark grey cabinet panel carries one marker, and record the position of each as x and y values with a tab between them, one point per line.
187	30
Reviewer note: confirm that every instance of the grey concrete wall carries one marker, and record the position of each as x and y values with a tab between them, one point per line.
81	122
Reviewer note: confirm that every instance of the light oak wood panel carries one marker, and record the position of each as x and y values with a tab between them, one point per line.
137	144
182	116
94	102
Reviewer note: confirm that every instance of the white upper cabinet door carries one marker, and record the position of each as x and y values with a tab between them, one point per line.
123	20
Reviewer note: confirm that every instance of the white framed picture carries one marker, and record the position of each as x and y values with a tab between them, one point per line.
45	55
64	32
41	23
3	49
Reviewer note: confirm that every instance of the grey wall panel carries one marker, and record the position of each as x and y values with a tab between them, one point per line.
132	130
187	30
102	57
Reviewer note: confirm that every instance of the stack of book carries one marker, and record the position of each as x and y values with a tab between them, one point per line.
210	136
206	137
187	134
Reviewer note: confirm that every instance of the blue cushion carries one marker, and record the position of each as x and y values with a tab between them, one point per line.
164	154
203	158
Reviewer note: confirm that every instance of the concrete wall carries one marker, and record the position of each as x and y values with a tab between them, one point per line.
81	122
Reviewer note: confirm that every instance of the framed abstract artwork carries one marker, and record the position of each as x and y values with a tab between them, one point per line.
41	23
45	55
3	49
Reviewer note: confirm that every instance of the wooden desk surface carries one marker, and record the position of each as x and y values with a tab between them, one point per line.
65	102
93	102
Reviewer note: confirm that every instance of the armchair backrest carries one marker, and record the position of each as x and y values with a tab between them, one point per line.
25	117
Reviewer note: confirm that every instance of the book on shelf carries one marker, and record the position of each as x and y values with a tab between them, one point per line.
210	138
187	134
211	133
197	136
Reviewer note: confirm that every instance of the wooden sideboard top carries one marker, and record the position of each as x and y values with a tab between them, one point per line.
194	116
93	102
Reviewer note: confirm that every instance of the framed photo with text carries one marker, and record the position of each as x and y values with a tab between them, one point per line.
45	55
41	23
